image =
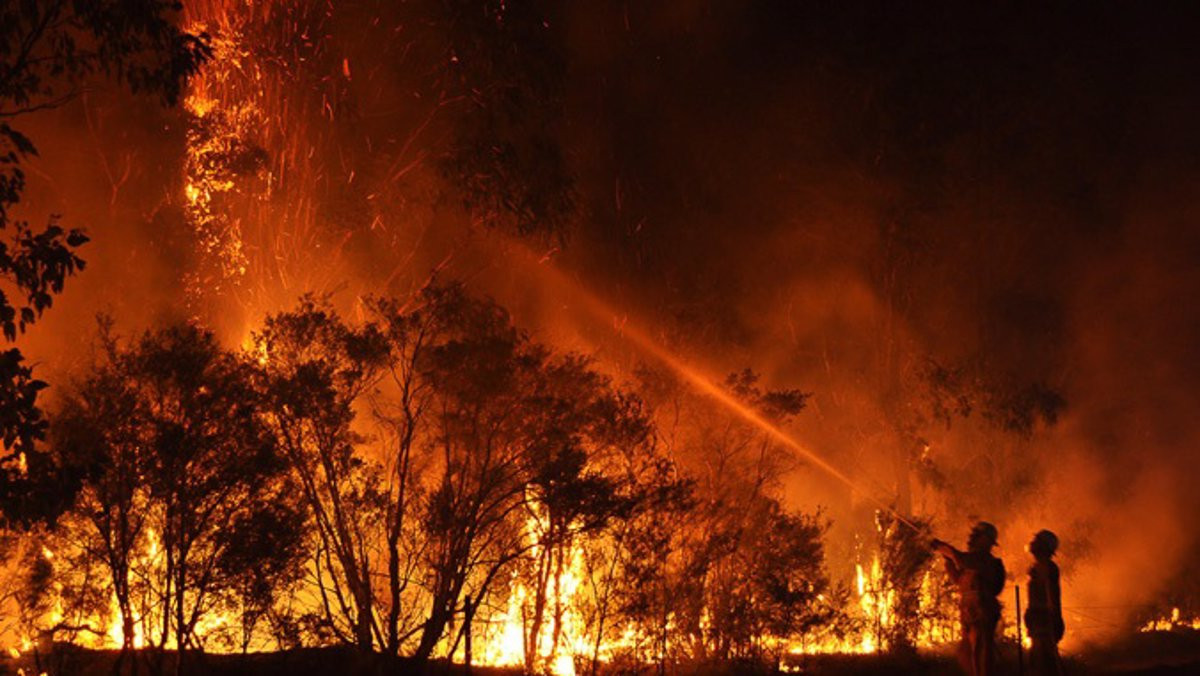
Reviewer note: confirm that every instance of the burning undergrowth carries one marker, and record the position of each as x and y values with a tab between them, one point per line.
432	482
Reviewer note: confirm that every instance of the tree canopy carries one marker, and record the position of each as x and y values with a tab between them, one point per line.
49	52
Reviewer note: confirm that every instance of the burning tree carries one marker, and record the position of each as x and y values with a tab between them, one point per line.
766	584
904	558
519	437
586	435
177	472
485	451
749	579
630	568
315	369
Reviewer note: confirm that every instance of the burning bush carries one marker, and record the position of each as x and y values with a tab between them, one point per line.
178	471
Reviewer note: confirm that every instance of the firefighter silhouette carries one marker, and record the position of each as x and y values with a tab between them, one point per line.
979	577
1043	616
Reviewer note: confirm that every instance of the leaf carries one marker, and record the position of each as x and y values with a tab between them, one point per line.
77	238
20	141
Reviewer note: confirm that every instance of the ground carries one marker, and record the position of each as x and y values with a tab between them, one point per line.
1157	654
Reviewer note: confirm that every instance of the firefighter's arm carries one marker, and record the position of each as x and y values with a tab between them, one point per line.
949	553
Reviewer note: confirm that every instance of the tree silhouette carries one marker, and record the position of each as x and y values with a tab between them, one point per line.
484	374
509	63
316	368
179	475
746	570
47	50
585	431
628	567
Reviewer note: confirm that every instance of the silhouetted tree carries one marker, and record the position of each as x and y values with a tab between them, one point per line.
401	411
485	375
904	557
478	433
98	436
316	368
766	590
263	564
47	49
750	573
582	433
178	472
508	62
630	568
514	437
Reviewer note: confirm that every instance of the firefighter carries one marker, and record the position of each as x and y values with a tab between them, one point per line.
1043	616
979	577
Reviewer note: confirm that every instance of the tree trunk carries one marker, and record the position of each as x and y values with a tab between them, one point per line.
469	613
534	637
435	624
123	606
393	618
556	631
362	628
179	620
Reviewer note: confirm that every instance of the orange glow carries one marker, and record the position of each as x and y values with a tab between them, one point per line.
255	213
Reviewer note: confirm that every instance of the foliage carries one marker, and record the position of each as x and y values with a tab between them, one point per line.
178	474
509	62
631	568
761	576
315	368
47	49
749	574
413	477
904	557
519	437
1016	407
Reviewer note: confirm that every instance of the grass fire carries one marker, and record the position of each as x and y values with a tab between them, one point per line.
586	339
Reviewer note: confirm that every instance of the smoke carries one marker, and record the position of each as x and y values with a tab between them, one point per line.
841	198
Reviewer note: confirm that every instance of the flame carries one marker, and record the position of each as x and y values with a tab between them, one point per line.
503	639
1171	622
116	633
874	613
505	634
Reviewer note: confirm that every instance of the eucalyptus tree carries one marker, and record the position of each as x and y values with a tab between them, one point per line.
178	472
48	52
